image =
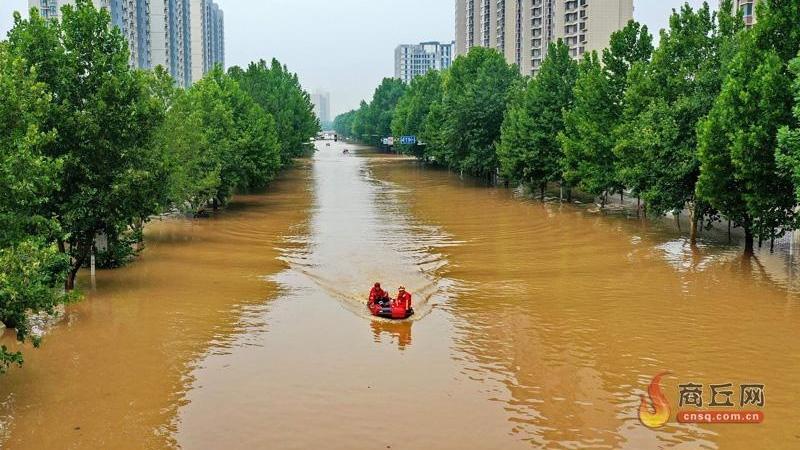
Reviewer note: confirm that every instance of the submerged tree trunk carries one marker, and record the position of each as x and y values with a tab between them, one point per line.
693	232
71	276
749	248
638	205
569	194
77	262
772	241
694	216
541	191
730	236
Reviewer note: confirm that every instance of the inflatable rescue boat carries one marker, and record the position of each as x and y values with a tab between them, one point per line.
389	311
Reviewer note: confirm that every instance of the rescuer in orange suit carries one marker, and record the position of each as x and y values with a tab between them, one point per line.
378	295
403	299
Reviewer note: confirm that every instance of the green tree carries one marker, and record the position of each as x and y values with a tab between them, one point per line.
788	155
586	140
279	93
31	268
241	149
373	121
665	101
529	150
343	124
414	106
105	116
383	105
475	95
628	46
362	127
738	142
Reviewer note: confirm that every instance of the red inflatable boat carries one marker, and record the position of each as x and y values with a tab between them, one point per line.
390	312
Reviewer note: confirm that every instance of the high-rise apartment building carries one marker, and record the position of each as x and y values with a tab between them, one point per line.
322	106
417	59
522	30
163	32
178	57
208	36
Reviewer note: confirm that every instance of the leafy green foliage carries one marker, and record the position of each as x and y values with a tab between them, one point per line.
665	101
529	150
414	107
788	155
31	269
373	121
628	46
475	95
343	124
278	92
586	140
239	140
738	141
29	274
105	117
91	149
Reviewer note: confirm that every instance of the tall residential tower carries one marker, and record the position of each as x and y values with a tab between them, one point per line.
186	37
523	29
207	37
414	60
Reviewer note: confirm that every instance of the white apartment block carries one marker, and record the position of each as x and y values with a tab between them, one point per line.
413	60
207	37
162	32
522	30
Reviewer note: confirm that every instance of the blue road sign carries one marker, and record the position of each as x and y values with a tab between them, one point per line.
408	140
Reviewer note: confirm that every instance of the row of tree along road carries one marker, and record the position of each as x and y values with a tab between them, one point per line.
90	147
706	122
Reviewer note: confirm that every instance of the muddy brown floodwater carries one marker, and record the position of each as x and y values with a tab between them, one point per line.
538	326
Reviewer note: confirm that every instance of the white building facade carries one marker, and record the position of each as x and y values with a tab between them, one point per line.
207	37
522	30
179	35
413	60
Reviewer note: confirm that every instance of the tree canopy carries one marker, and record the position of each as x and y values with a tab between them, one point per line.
738	142
91	149
277	90
529	149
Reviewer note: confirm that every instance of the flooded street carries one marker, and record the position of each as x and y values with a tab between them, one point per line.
537	326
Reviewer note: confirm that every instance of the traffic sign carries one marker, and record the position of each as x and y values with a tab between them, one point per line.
408	140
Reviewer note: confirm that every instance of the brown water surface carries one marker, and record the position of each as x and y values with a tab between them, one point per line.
538	326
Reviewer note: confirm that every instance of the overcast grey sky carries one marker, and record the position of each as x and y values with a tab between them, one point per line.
344	47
